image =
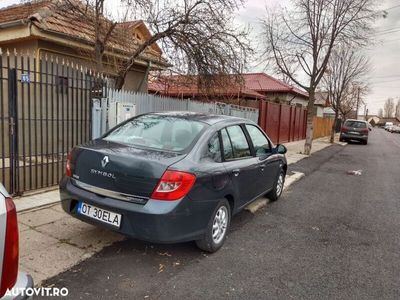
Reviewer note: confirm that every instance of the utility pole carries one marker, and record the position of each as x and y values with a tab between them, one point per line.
358	102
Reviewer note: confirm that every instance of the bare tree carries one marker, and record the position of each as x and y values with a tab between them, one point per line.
352	99
303	38
380	113
389	108
196	36
398	109
346	67
93	12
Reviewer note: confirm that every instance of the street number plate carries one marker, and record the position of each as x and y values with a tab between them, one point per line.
100	214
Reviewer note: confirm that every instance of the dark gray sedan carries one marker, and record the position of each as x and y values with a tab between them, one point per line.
173	177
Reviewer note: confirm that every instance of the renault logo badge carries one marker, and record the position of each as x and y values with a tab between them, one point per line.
105	161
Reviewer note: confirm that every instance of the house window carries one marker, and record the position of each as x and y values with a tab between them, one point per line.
62	84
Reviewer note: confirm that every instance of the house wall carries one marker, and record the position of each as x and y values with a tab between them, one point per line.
297	100
320	111
136	79
286	98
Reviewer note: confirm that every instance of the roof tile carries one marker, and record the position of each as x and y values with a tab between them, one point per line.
51	16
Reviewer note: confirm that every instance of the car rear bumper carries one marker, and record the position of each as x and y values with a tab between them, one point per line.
155	221
24	281
356	137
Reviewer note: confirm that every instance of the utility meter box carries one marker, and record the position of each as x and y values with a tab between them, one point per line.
120	112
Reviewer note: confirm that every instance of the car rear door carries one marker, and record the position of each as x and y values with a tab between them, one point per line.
240	164
268	163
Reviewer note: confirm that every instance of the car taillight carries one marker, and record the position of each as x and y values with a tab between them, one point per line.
365	130
10	258
68	168
344	129
173	185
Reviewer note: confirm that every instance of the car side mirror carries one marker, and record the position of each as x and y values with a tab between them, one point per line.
281	149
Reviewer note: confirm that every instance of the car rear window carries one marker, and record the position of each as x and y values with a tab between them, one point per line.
355	124
157	132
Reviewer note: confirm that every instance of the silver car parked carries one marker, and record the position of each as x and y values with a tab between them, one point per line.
12	282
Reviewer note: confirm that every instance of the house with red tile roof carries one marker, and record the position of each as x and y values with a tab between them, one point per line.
47	28
274	89
245	89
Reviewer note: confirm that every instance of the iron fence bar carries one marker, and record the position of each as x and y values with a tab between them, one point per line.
47	122
62	117
77	105
41	120
53	123
82	105
13	127
29	123
59	172
68	116
89	93
36	122
23	126
72	109
3	169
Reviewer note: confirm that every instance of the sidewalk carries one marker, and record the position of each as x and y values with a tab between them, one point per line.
52	242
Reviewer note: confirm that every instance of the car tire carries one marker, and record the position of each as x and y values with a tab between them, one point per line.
341	139
220	220
365	142
276	192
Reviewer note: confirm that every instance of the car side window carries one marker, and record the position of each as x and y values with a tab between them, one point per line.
226	143
214	149
239	142
260	142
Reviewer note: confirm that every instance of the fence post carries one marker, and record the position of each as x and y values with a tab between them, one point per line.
279	122
96	119
290	124
13	130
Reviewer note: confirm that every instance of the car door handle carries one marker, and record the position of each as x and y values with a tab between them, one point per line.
262	167
236	172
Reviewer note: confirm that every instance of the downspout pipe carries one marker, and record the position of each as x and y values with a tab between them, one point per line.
145	77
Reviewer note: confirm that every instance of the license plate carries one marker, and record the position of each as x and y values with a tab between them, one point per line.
99	214
354	132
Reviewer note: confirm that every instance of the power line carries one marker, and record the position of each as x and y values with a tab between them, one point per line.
390	8
388	76
388	81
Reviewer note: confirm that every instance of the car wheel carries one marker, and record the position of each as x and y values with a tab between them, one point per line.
278	188
341	139
217	228
365	142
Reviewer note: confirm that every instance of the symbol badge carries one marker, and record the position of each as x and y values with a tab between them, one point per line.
105	161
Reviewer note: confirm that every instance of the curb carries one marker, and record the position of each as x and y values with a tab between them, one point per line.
262	202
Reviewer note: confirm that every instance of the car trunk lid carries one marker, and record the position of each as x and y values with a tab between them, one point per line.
121	168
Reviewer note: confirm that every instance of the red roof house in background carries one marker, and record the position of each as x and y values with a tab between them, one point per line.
252	86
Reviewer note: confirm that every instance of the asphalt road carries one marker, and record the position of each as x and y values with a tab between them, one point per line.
331	236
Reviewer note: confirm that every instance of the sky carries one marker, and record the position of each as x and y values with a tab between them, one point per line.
384	51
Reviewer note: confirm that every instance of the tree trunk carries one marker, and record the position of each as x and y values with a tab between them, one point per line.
310	122
334	126
120	81
98	57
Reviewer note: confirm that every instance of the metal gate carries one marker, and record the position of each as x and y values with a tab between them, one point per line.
45	111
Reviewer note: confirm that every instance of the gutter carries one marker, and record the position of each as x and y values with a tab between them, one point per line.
122	54
12	24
